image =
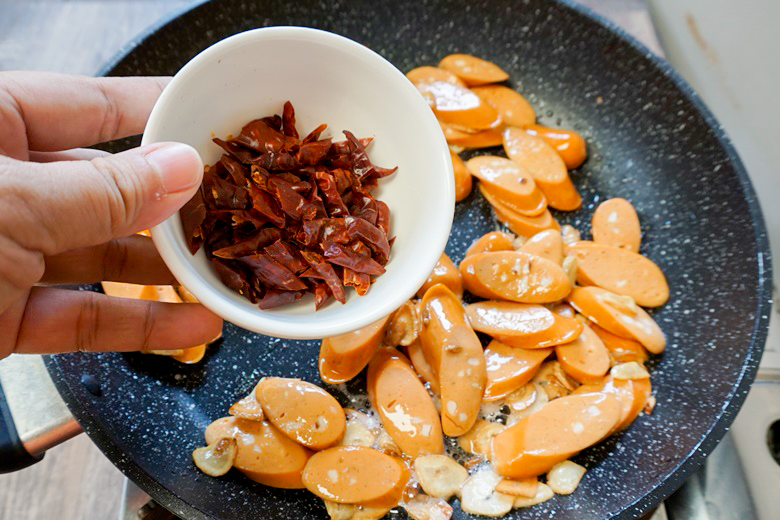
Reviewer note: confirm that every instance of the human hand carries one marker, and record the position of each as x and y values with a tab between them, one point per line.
68	216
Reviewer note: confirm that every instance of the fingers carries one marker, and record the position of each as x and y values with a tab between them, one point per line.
77	154
56	207
61	111
132	260
58	320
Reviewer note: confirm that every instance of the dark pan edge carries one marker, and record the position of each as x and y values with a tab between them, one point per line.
143	35
679	474
764	260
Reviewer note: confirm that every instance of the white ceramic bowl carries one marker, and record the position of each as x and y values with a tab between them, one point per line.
333	80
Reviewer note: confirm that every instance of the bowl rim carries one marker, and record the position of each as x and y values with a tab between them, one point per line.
296	326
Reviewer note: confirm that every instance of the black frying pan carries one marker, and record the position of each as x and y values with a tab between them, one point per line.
651	141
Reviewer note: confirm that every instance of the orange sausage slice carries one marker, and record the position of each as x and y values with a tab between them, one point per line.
455	354
615	223
513	108
343	357
156	293
569	144
406	410
456	105
507	181
264	454
446	273
482	139
509	368
514	276
356	475
421	365
546	244
619	315
545	165
303	411
557	431
428	75
623	350
463	182
620	271
522	325
633	395
585	359
521	225
493	241
473	70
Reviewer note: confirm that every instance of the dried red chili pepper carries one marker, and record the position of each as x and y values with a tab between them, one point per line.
280	216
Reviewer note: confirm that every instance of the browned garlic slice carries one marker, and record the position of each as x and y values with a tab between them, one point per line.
543	494
216	459
564	477
439	475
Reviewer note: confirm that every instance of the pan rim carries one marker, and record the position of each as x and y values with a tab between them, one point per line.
698	454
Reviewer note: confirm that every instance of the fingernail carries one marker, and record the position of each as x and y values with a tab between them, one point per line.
179	166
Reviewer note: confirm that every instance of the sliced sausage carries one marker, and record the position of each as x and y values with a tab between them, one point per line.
406	410
585	359
343	357
421	365
487	138
514	276
356	475
455	353
569	144
562	428
623	350
619	315
303	411
523	325
546	244
520	224
456	105
545	165
509	368
445	272
632	393
264	454
615	223
493	241
620	271
513	108
473	70
510	183
463	182
427	75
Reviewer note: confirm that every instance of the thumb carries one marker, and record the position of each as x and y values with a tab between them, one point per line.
84	203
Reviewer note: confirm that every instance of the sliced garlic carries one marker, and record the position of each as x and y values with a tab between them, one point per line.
439	475
519	242
404	326
554	380
620	302
543	494
248	408
539	398
570	267
358	433
478	494
630	370
570	234
525	487
353	512
564	477
386	444
216	459
424	507
477	440
650	406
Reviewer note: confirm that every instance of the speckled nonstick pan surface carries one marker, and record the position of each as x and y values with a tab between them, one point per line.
651	141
